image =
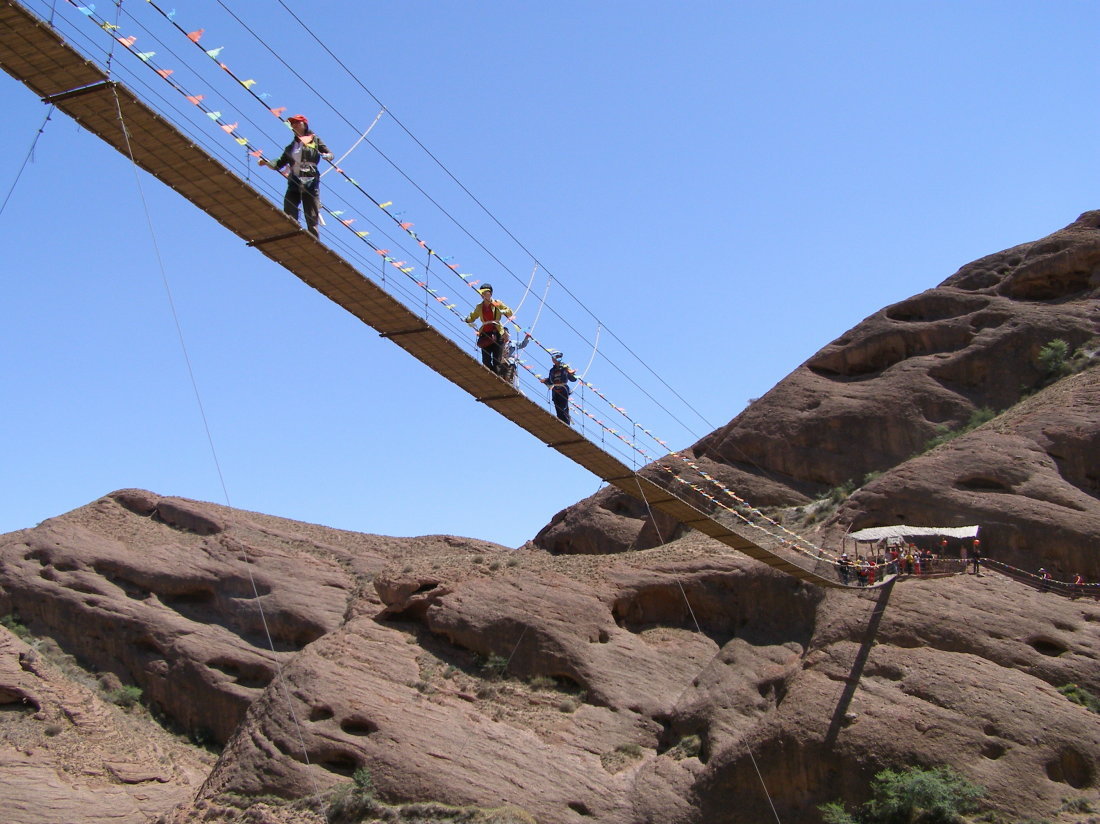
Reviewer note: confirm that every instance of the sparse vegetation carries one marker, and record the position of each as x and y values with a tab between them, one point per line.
1056	361
1080	695
494	666
568	705
1075	805
621	757
913	796
542	682
13	625
687	747
125	696
839	494
945	434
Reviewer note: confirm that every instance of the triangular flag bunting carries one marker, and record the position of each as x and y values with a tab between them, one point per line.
194	98
165	72
215	52
248	84
195	36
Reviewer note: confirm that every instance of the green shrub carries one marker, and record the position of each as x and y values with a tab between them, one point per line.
1080	695
834	813
364	782
838	494
126	696
912	796
1053	358
13	625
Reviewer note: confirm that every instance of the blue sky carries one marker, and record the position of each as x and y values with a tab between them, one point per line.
718	190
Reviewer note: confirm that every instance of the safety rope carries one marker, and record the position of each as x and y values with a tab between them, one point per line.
527	291
362	137
595	348
27	159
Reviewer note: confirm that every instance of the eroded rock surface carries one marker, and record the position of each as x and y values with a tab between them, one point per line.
627	671
624	688
874	398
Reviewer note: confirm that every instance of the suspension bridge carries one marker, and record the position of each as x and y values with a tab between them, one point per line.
33	53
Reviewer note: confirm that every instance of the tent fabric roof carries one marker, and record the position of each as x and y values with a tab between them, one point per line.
877	533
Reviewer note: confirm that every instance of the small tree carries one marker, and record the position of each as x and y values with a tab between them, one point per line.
1053	357
912	796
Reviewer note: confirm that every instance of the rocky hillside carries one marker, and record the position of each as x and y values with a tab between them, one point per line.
647	686
173	660
861	413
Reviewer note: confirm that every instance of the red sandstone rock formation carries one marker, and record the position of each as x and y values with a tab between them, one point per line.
607	680
892	384
616	688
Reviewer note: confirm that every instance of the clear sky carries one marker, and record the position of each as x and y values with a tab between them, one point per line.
718	190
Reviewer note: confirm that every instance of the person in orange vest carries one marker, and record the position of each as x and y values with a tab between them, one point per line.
303	182
491	314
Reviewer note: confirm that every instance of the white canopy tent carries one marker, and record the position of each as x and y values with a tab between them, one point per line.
877	533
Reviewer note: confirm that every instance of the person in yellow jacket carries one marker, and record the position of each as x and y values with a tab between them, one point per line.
490	313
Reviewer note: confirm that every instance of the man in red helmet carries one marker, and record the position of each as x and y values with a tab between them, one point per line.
303	183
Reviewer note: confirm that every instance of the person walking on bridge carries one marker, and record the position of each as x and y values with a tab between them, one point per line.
558	381
303	183
509	355
491	313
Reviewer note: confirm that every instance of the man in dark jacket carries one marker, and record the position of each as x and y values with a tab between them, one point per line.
558	381
303	183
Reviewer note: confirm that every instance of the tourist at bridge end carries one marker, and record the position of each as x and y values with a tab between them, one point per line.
976	557
303	182
509	357
490	332
561	374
